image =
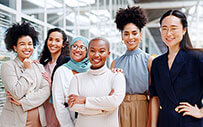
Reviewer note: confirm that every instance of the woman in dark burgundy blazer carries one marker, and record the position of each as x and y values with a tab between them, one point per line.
177	77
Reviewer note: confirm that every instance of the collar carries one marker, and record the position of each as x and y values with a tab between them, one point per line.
99	71
133	52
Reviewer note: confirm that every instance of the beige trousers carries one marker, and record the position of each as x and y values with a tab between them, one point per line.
133	112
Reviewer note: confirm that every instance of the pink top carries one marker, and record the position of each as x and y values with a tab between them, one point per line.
49	109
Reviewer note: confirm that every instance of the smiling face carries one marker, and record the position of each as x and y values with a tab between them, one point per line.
172	31
24	48
131	36
55	42
98	53
78	51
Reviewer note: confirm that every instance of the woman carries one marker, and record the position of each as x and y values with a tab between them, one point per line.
54	44
136	64
26	88
63	75
91	93
177	77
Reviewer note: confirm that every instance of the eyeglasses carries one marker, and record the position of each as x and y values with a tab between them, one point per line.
81	48
172	30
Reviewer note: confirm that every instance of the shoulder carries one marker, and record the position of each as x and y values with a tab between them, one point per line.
8	63
39	65
112	64
194	53
63	69
116	75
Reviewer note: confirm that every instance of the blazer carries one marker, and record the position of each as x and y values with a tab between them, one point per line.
182	83
26	85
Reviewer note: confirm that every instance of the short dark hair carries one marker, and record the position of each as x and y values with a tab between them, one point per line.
100	38
185	43
45	55
18	30
134	15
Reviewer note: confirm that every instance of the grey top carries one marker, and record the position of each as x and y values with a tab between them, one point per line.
135	66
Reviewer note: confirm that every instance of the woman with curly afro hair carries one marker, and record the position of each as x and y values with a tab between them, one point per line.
25	86
136	64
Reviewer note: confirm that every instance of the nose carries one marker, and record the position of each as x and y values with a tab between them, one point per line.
97	54
53	42
131	36
26	46
168	33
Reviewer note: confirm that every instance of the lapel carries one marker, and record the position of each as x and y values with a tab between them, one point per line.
166	83
177	65
19	69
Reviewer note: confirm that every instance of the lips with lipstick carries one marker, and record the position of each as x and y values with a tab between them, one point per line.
96	60
27	52
131	42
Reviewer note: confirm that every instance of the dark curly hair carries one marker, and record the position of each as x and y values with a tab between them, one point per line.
45	56
18	30
134	15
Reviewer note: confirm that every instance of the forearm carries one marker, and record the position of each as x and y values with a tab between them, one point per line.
80	108
154	110
35	99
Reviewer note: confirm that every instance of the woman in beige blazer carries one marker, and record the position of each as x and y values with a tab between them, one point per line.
25	86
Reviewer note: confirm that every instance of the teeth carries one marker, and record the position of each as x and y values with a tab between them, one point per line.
26	52
96	60
53	48
131	42
77	54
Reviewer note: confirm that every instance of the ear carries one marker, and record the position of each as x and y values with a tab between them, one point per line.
108	54
140	35
122	35
15	48
184	30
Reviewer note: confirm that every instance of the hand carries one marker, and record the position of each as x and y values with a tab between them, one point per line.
189	110
117	70
114	70
36	61
75	99
12	99
47	77
27	63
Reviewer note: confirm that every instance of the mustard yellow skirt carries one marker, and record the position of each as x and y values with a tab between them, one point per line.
133	111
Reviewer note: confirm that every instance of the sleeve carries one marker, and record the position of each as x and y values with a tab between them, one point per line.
152	85
109	103
201	66
61	81
17	87
38	97
80	108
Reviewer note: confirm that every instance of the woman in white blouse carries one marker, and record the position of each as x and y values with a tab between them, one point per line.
62	77
89	91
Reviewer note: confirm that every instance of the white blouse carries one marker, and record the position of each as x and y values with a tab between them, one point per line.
60	88
100	109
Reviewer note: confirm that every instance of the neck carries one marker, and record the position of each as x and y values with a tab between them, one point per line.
54	57
174	50
95	68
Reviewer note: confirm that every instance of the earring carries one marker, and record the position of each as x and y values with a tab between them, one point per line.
122	41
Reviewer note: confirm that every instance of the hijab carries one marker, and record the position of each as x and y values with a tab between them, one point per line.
81	66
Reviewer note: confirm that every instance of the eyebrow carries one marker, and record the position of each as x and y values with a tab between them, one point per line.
170	26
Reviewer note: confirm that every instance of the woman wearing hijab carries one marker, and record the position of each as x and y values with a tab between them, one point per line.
61	81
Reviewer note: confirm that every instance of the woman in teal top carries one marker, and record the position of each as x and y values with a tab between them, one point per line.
136	64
